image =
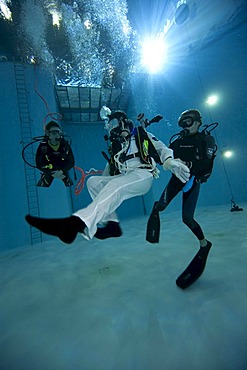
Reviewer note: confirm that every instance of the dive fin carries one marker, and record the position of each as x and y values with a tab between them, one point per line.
65	229
111	230
153	227
195	269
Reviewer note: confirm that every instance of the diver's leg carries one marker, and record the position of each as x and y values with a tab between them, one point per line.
196	267
94	185
85	221
108	227
117	190
45	180
67	180
190	199
173	187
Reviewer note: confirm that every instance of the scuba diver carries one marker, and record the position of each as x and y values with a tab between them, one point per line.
54	157
196	150
129	172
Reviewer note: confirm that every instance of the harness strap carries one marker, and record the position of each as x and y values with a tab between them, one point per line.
130	156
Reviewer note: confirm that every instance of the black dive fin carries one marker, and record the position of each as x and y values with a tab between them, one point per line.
153	228
65	229
111	230
195	269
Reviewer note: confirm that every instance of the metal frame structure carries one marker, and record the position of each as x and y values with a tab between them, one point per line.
83	104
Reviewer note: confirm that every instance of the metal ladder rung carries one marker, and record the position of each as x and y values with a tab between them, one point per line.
24	114
25	129
30	176
23	105
26	135
34	210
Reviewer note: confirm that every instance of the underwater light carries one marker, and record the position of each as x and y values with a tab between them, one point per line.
153	54
55	13
88	24
227	153
87	21
211	100
56	19
5	11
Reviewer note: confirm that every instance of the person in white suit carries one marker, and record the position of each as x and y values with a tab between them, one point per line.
130	171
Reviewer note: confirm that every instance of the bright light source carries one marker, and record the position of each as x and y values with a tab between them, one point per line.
227	153
33	60
87	24
55	13
4	10
211	100
56	17
154	54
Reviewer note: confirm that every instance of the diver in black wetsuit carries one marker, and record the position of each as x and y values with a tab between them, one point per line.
196	150
54	157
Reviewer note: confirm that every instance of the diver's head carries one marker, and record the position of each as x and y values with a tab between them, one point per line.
118	124
190	120
53	132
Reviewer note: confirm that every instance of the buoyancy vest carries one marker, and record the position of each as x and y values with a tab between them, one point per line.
146	150
47	158
145	146
64	147
198	152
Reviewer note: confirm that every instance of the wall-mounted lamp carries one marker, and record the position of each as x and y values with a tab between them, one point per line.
227	153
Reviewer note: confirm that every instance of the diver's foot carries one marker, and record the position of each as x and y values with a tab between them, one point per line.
65	229
203	251
111	230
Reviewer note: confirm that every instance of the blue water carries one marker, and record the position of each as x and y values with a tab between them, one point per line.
100	305
114	305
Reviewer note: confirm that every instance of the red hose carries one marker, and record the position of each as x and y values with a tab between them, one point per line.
80	184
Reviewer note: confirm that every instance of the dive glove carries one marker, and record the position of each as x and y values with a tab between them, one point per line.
58	174
178	168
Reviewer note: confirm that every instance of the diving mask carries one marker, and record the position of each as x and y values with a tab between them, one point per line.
112	124
186	121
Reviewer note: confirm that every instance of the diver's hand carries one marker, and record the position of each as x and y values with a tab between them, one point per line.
178	168
58	174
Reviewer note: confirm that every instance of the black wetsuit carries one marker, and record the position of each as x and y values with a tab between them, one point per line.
197	151
49	160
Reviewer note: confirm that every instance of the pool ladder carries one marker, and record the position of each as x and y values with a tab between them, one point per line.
26	136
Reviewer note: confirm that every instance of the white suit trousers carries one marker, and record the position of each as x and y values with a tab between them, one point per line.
108	192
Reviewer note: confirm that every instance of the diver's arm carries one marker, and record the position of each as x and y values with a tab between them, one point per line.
163	151
70	161
40	160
